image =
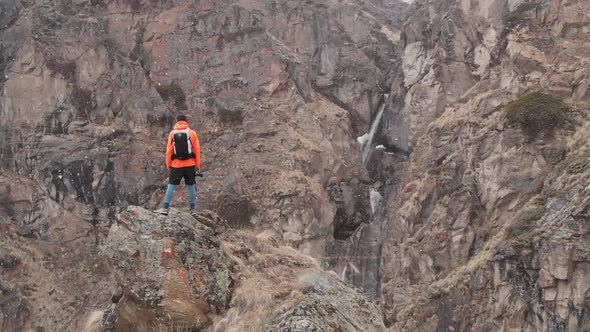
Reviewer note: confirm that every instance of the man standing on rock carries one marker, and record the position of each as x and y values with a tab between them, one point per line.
183	159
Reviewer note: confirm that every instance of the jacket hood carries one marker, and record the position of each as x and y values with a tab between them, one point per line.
180	125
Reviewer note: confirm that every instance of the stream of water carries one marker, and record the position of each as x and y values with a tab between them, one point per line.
366	140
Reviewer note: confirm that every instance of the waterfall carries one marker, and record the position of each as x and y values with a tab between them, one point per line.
374	199
366	140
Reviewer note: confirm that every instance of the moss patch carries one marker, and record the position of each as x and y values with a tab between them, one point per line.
64	70
537	112
532	213
231	116
525	220
173	92
236	210
6	149
83	101
578	166
221	294
435	171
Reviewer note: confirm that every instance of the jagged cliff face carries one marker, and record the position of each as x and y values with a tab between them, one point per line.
278	92
367	134
489	228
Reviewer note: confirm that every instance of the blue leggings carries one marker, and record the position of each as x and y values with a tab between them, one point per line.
192	196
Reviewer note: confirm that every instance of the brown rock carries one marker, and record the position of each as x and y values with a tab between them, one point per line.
546	279
558	262
549	294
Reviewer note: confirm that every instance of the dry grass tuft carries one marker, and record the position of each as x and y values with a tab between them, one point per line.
161	327
93	322
267	280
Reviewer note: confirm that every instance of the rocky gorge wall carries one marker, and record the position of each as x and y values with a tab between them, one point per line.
278	92
488	230
370	135
91	88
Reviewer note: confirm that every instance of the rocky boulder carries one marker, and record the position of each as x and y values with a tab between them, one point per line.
175	271
329	305
168	268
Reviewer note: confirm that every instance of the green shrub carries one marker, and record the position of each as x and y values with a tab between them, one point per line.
532	213
537	112
83	101
173	92
435	171
231	116
237	211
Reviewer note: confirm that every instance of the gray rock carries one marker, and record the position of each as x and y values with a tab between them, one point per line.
329	305
8	13
13	309
7	261
182	269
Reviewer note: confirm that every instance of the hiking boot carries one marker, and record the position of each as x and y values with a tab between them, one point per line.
163	211
193	212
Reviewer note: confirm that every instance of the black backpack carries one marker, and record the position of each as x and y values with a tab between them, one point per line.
181	140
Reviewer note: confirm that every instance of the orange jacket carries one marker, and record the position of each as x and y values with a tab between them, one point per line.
177	163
